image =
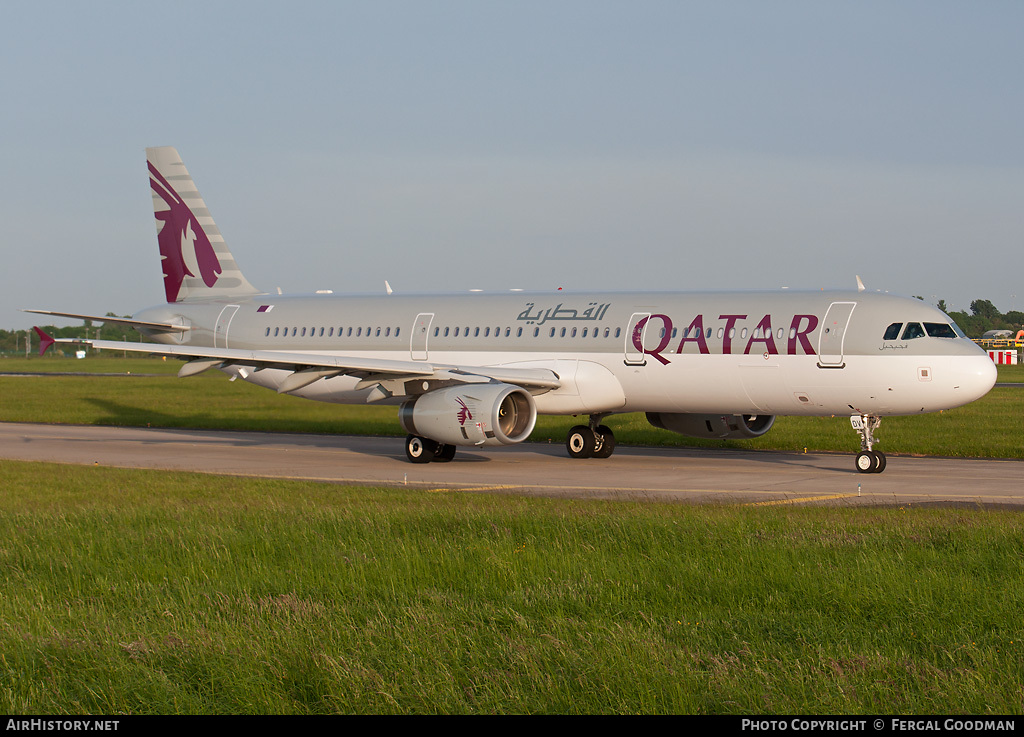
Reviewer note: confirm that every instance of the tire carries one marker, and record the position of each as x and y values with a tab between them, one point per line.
581	442
444	452
866	462
879	461
420	450
605	442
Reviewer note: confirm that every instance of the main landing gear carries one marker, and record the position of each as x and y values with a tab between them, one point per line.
868	460
425	450
591	441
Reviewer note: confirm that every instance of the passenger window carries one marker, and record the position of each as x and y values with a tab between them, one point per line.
303	332
913	330
939	330
519	333
508	332
268	332
893	331
536	332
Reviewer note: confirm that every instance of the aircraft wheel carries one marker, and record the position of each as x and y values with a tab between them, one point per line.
581	442
444	452
879	461
866	462
605	442
420	450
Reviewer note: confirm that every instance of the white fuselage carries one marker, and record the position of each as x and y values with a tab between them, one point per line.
777	353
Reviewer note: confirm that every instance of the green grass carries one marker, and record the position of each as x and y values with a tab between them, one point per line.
144	592
990	427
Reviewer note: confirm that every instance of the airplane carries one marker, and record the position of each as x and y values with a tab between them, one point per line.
476	369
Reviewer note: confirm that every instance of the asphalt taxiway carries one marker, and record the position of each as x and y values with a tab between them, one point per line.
662	474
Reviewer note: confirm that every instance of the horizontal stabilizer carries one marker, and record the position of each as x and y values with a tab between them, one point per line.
162	326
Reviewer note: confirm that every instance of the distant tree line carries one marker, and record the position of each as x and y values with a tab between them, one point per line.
984	317
12	342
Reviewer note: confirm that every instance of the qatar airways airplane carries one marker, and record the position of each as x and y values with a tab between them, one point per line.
476	369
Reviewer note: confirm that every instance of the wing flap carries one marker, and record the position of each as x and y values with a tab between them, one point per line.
262	359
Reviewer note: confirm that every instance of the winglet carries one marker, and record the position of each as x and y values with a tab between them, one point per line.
860	285
45	341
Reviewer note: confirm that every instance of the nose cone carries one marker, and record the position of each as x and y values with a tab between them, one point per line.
977	377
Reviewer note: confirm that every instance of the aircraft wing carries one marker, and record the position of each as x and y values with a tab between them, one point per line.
309	367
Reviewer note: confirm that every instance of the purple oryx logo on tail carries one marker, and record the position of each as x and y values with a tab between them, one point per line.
184	246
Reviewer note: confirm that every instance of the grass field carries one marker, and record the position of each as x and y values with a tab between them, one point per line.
991	427
129	592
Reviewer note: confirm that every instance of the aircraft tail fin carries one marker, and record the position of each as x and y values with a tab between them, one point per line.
196	261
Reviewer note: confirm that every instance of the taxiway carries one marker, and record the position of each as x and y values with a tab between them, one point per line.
662	474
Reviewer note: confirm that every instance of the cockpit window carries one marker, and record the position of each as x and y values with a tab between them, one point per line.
939	330
913	330
893	331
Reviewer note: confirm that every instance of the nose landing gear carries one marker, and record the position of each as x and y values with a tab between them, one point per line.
868	460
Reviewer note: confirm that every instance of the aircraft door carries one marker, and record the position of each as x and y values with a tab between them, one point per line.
220	333
833	334
420	333
635	332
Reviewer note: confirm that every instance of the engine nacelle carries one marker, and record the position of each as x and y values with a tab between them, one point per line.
713	426
471	414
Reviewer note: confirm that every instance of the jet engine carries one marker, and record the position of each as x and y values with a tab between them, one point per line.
471	414
712	426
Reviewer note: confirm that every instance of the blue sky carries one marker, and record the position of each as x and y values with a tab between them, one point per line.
453	145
